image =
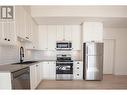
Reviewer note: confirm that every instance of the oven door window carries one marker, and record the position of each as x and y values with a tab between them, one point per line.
64	69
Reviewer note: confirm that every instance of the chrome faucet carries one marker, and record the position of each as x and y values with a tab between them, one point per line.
21	54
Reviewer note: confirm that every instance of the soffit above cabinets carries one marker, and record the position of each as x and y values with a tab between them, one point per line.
107	22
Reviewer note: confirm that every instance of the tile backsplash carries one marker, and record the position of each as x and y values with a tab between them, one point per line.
10	54
51	55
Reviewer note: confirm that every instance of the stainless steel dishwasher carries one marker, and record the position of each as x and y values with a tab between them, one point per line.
21	79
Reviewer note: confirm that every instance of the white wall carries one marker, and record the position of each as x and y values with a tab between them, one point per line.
120	35
10	54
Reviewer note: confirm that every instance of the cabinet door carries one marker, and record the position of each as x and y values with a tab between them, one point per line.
33	76
11	33
29	28
45	71
43	37
51	37
52	70
60	33
68	32
93	31
1	32
20	22
76	37
8	36
38	68
35	36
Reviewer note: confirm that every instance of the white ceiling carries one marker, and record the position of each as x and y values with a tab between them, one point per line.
111	16
108	22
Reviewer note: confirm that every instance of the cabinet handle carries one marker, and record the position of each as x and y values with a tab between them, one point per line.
77	62
36	65
27	37
77	74
77	67
9	40
5	39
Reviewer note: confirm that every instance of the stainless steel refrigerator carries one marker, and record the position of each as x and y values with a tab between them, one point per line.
93	61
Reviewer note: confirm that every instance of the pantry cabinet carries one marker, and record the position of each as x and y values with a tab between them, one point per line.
49	70
7	33
78	70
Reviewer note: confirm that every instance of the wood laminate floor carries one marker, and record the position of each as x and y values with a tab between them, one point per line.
108	82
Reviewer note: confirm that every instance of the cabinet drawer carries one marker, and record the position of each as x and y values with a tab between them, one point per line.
78	76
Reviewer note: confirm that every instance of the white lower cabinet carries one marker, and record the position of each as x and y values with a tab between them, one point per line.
49	70
35	75
78	70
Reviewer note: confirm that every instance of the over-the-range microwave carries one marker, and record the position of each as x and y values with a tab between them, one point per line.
64	45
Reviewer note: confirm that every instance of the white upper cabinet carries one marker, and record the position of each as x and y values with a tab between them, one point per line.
60	33
7	33
35	36
63	32
76	37
47	37
23	24
51	37
43	35
20	22
50	34
34	44
92	31
28	26
68	32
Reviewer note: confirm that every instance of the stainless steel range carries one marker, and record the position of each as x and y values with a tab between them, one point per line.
64	67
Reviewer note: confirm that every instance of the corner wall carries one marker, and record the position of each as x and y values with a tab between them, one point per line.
120	35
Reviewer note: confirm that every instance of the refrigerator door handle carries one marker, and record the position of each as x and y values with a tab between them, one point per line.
87	50
87	62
